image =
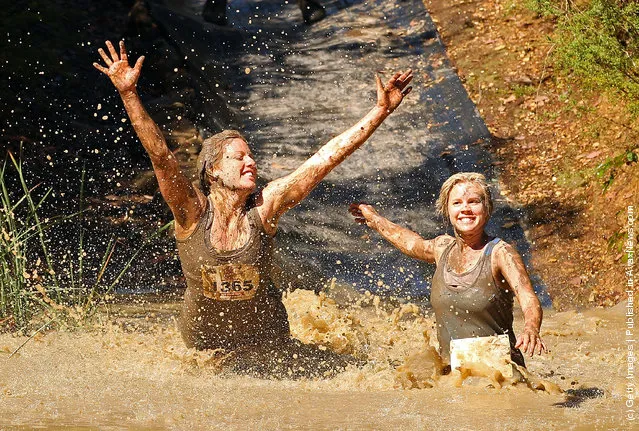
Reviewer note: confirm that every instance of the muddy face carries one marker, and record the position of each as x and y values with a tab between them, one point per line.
237	169
466	209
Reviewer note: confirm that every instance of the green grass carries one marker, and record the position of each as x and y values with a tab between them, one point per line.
20	227
523	90
32	283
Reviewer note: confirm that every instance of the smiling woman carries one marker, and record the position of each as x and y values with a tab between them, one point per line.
226	145
225	228
477	275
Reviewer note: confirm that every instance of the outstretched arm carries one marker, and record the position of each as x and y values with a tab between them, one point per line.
283	194
405	240
185	201
512	268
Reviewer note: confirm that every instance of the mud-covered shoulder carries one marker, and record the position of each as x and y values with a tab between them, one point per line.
440	244
509	269
504	252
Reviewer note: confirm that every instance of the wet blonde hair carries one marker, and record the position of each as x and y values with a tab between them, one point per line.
211	154
464	177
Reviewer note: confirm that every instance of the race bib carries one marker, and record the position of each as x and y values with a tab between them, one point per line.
233	282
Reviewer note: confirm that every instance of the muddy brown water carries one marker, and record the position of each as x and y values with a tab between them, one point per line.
131	370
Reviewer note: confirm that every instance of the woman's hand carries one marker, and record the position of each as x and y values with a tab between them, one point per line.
363	213
389	96
185	201
123	76
511	267
530	342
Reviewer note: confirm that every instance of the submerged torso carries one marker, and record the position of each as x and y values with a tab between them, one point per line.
471	304
230	300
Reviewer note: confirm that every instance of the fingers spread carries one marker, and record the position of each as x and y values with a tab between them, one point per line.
520	340
105	57
114	55
394	79
544	349
406	77
526	343
123	55
138	64
378	81
101	68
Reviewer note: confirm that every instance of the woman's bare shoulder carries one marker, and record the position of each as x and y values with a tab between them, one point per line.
443	240
440	244
184	232
506	259
503	249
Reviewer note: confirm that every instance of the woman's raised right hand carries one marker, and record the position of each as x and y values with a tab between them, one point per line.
123	76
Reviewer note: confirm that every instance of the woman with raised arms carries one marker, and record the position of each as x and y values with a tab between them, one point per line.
225	228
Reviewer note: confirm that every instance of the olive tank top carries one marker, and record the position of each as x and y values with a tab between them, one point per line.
471	304
230	300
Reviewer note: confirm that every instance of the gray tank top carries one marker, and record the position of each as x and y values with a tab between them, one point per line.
230	300
471	304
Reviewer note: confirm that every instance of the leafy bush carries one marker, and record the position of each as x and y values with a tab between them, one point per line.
598	41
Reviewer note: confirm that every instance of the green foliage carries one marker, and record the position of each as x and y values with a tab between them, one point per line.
548	8
31	286
523	90
616	241
607	170
19	227
598	42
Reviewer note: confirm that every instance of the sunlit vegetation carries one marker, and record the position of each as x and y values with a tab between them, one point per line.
20	227
607	170
604	173
597	41
39	282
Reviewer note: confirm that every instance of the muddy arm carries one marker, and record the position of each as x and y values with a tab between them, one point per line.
284	193
405	240
183	199
511	267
